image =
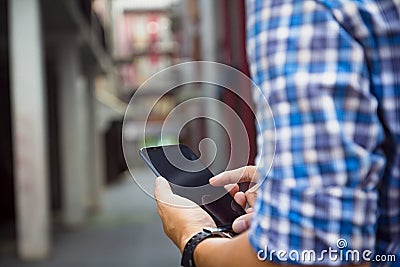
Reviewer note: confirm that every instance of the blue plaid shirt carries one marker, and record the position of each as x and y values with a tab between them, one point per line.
330	71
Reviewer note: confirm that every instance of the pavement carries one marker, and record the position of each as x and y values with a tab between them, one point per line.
126	232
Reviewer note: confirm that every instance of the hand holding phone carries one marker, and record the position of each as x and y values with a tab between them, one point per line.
188	177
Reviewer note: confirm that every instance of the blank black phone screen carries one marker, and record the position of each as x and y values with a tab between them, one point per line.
183	169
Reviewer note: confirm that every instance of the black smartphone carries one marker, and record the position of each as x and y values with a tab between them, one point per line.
188	177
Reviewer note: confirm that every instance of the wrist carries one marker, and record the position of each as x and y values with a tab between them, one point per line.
187	235
200	250
203	253
188	257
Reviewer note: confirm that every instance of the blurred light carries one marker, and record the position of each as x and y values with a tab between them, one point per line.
146	5
152	27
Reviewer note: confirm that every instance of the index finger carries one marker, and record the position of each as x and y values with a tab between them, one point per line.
243	174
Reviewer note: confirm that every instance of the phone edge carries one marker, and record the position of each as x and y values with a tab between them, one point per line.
148	161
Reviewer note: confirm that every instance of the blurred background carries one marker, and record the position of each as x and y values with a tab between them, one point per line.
68	69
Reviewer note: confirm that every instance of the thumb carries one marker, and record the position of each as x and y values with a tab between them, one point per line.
242	223
163	189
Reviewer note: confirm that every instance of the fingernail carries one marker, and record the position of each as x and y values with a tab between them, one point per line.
239	226
212	180
253	188
159	180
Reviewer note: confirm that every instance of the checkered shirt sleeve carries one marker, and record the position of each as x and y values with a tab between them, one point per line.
330	71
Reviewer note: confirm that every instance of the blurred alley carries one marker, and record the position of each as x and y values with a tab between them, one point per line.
127	232
68	70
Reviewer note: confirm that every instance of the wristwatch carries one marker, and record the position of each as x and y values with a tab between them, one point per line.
187	255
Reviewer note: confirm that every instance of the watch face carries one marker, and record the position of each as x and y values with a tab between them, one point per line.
218	232
212	229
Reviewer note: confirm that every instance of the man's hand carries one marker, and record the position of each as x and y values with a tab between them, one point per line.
181	218
230	180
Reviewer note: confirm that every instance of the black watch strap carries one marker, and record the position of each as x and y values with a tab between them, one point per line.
188	251
187	255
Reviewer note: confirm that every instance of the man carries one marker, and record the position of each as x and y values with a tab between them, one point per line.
330	70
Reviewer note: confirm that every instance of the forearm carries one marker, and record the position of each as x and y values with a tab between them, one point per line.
215	252
227	252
